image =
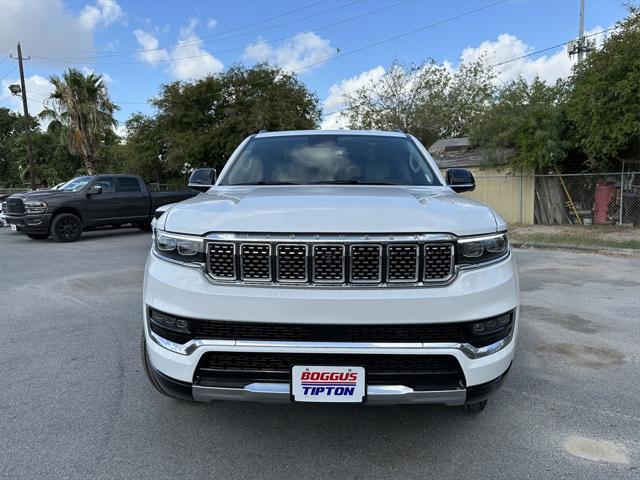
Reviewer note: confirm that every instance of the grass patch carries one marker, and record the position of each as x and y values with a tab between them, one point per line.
572	238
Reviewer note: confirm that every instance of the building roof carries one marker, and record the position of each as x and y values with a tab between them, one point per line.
457	153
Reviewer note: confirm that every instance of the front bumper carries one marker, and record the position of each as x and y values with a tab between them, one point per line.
475	294
30	223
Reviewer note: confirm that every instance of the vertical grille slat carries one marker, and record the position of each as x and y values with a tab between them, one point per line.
291	262
222	263
337	263
366	263
255	261
402	263
328	263
438	262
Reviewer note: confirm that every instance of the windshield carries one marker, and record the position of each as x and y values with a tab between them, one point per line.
330	159
75	184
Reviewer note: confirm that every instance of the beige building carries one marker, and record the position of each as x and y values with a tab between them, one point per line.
511	195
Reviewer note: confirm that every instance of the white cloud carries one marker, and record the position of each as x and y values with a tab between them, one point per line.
188	60
302	53
337	91
104	12
56	28
212	23
507	47
49	28
149	45
105	76
38	89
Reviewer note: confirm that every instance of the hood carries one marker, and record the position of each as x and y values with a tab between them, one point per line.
41	194
330	209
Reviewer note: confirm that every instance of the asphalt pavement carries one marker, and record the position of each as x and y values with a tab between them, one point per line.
74	401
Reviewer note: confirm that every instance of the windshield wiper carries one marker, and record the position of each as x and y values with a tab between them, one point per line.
351	182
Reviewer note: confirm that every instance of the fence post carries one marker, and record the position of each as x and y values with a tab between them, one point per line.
521	195
621	193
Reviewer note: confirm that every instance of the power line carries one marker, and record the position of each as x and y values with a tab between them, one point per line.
550	48
205	39
495	64
284	14
10	71
168	60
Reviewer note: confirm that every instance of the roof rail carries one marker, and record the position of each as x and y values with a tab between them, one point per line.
263	131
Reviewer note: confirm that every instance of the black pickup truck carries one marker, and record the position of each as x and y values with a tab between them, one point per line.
86	202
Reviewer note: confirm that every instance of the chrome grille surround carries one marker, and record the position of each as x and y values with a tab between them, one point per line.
329	260
221	261
365	263
438	262
329	263
403	263
255	262
292	264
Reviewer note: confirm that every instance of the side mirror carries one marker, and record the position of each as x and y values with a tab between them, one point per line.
202	178
460	180
94	190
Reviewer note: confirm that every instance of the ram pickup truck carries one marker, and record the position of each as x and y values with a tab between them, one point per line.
86	202
330	266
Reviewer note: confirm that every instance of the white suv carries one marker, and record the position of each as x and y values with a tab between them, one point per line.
330	266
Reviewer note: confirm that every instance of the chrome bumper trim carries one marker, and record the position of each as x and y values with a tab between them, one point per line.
376	394
256	345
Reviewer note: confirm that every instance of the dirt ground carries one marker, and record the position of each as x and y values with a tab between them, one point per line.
582	235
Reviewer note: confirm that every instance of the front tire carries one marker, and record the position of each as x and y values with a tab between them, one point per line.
66	227
38	236
474	407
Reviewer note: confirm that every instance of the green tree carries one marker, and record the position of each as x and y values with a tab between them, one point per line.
529	118
604	105
10	126
427	100
81	112
200	123
146	149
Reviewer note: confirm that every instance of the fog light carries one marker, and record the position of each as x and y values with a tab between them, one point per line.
477	327
169	322
181	323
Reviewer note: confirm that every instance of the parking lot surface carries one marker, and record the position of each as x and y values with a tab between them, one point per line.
75	403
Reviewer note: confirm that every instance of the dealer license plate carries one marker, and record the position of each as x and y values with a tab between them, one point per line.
327	384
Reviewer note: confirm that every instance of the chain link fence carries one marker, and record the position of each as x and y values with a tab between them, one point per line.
564	199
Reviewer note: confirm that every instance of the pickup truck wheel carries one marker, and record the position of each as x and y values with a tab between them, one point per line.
66	227
474	407
38	236
147	370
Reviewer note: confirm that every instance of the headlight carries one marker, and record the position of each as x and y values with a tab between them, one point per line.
35	207
482	249
179	247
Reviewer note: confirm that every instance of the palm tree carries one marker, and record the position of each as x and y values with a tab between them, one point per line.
81	111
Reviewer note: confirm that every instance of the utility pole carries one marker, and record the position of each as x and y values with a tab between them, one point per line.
581	33
581	45
27	126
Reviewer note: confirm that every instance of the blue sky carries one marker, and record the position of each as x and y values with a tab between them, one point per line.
141	44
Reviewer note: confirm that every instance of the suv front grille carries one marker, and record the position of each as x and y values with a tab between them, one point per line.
421	372
15	206
337	263
255	262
